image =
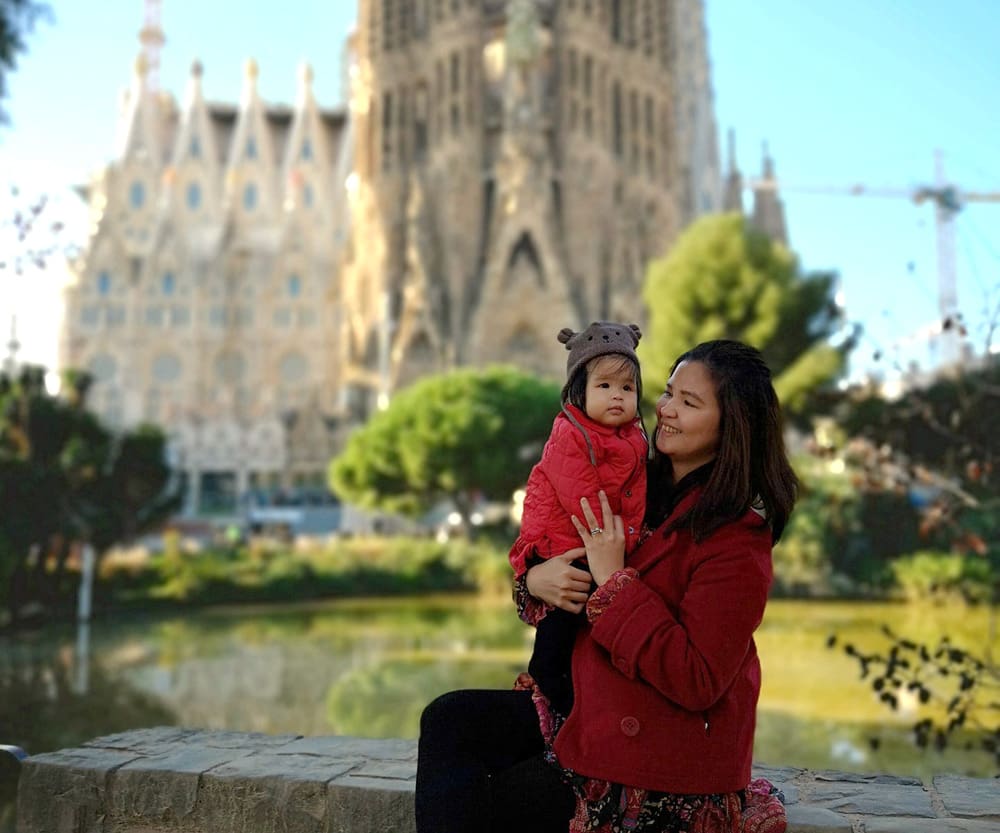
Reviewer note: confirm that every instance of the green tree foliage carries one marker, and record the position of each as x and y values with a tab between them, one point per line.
17	19
463	435
723	279
64	477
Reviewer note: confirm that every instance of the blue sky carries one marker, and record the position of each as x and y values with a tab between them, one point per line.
846	92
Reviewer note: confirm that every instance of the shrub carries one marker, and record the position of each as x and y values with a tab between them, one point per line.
941	577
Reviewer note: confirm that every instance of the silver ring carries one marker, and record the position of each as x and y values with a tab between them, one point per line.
596	530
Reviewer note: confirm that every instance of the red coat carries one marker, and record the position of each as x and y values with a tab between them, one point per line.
568	472
667	677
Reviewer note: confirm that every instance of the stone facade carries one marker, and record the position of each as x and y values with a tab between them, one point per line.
168	780
259	278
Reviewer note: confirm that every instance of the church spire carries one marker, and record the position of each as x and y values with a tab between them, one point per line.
732	199
768	209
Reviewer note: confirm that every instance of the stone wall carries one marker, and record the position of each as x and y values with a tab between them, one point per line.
163	780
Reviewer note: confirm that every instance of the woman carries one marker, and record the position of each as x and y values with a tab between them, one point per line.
666	675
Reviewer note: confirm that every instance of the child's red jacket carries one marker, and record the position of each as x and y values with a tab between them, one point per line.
580	458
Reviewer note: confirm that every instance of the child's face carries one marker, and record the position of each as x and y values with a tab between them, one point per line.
612	397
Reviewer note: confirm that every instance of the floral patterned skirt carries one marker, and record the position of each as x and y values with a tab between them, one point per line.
606	807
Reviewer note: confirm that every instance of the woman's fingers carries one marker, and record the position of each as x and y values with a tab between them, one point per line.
606	513
588	515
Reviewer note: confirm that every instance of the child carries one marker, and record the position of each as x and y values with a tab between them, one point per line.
597	442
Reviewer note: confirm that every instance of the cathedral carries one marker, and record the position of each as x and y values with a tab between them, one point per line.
260	277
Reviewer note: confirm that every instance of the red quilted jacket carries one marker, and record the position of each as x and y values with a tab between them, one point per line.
667	677
578	460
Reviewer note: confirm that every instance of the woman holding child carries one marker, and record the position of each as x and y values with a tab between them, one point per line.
665	673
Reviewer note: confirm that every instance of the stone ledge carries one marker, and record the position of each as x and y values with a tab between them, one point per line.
169	780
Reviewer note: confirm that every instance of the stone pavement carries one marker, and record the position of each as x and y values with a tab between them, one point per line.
194	781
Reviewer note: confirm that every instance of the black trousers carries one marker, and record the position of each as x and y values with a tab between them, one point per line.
480	767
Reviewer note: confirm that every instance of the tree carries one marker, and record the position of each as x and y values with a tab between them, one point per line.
723	279
462	435
936	444
64	478
17	19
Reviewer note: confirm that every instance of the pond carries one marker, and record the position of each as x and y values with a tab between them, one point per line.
368	668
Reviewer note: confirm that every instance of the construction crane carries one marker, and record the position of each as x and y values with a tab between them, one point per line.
948	201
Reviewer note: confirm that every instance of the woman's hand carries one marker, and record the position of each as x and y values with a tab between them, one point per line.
557	582
604	540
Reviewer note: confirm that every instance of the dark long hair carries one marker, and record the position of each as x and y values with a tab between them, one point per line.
751	467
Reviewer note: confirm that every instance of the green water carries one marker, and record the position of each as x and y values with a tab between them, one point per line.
368	667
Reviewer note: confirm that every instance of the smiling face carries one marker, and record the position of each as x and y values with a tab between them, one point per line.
612	393
687	419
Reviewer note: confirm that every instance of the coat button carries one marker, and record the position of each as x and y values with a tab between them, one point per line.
630	726
621	665
628	493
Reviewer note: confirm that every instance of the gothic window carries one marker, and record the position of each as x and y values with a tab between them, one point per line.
439	96
456	71
455	106
588	97
217	316
630	12
633	130
294	286
616	21
230	367
307	195
664	32
386	130
251	148
89	316
282	317
194	148
180	316
293	367
647	28
307	152
166	368
618	139
420	121
103	283
168	283
137	195
114	316
403	120
471	67
193	196
250	196
388	13
649	136
154	316
103	367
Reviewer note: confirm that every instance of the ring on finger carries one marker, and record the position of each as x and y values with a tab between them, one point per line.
596	530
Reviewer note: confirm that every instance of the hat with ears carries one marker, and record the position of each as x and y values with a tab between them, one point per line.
602	338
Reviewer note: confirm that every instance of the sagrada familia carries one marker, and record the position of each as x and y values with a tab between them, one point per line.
260	277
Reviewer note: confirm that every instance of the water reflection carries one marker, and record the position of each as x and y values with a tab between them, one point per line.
368	668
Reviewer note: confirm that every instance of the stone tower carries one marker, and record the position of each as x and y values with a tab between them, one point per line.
516	165
260	277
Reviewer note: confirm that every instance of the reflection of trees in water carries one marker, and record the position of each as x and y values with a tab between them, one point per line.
44	707
814	743
48	701
385	700
272	672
